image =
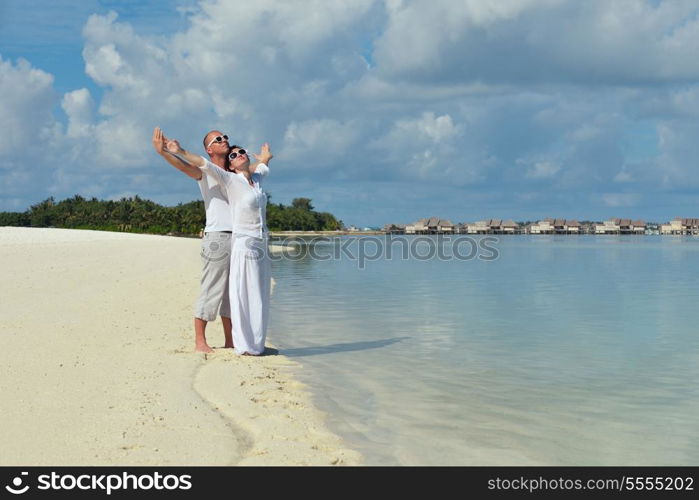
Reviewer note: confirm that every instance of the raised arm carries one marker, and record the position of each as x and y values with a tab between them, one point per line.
164	147
264	157
174	147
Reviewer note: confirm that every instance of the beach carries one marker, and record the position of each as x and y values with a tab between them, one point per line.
99	367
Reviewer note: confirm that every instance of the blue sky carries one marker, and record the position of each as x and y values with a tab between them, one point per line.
380	111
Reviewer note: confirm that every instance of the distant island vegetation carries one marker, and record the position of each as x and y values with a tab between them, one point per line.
138	215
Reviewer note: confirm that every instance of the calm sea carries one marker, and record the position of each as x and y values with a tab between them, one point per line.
564	350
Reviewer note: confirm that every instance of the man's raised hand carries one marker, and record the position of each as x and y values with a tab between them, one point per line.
158	140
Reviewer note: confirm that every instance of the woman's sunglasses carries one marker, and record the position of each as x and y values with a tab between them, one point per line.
235	154
218	138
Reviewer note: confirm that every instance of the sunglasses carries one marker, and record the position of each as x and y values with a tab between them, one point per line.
218	138
235	154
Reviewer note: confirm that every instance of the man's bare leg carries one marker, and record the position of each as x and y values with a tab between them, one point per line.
227	331
200	344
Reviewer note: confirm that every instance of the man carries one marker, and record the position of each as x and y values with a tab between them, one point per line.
216	243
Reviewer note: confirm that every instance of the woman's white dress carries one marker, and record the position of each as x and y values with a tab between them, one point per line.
250	277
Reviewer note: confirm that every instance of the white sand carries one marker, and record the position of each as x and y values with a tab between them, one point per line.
98	366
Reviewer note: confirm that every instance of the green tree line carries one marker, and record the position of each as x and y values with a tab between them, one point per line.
138	215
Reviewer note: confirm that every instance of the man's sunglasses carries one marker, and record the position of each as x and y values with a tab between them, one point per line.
235	154
218	138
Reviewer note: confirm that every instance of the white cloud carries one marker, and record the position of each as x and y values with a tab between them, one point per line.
621	199
684	102
28	132
429	147
315	142
499	97
543	170
438	129
585	132
540	41
79	107
623	176
427	130
676	167
25	106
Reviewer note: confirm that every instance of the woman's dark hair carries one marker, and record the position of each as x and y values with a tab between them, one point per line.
228	161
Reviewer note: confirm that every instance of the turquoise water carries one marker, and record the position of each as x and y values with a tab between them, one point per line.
565	350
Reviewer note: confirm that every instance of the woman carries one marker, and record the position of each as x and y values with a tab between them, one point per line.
250	276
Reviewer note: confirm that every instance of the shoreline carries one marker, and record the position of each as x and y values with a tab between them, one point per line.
99	375
282	235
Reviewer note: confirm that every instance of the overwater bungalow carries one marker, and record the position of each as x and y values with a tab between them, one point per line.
691	226
565	226
672	227
542	227
681	226
491	226
509	227
608	227
479	227
624	226
554	226
435	225
573	227
394	229
638	227
445	226
417	227
432	225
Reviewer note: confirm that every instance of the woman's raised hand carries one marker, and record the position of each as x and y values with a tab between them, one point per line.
161	143
172	145
265	154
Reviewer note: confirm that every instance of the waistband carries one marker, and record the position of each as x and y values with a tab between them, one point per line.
211	232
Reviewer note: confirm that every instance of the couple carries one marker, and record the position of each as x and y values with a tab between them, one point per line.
236	266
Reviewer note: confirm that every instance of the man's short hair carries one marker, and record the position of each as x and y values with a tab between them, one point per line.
206	137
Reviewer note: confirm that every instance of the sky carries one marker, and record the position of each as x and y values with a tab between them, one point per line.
379	111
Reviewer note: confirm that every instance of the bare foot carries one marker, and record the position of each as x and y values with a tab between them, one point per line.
203	348
229	346
249	354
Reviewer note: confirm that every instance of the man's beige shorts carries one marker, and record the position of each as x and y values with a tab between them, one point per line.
216	261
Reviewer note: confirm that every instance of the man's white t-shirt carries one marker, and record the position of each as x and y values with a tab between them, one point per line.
218	213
